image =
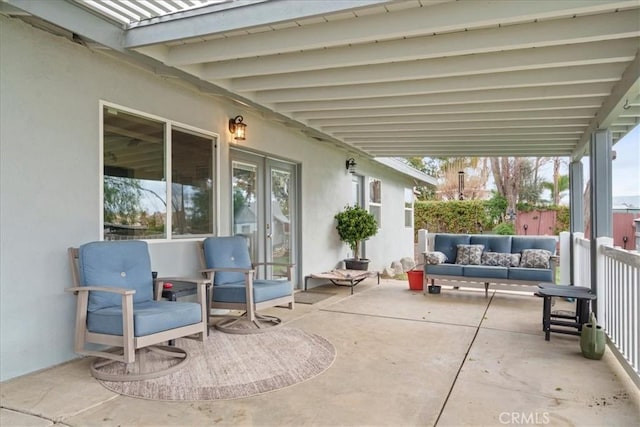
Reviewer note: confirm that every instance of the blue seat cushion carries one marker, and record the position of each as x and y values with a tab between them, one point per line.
121	264
531	274
448	245
486	271
227	252
492	243
148	317
263	290
444	269
520	243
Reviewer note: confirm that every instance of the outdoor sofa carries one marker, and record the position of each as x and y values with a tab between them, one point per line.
490	259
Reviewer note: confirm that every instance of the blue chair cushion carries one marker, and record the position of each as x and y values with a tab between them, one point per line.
263	290
520	243
449	269
448	245
148	317
227	252
486	271
492	243
121	264
531	274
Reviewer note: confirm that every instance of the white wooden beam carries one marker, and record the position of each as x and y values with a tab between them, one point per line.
516	79
581	29
454	126
236	16
610	51
582	114
494	95
487	107
447	17
449	130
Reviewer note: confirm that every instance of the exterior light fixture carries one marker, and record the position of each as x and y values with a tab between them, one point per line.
237	128
351	165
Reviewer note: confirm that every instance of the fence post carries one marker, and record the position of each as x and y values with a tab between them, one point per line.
601	278
565	258
422	240
577	278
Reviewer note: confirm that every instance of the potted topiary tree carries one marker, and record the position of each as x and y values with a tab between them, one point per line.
355	224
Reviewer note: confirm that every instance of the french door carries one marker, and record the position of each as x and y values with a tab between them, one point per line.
265	210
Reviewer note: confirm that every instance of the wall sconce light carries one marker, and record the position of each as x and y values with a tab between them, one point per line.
526	227
237	128
351	165
461	185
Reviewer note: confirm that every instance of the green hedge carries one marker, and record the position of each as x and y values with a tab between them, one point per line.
469	216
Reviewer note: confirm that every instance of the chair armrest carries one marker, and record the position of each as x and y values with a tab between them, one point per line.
120	291
276	264
281	264
196	280
229	269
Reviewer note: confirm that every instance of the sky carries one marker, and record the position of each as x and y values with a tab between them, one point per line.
626	166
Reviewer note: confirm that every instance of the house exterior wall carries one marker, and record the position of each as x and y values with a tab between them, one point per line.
50	188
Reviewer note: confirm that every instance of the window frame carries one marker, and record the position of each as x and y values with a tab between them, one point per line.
377	205
407	209
169	125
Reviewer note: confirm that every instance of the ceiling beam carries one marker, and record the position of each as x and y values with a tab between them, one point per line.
446	17
470	97
487	107
239	15
466	65
456	118
515	79
581	29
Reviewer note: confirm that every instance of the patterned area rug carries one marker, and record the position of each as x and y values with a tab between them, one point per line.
230	366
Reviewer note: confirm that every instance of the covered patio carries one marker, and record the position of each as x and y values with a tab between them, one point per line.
322	81
403	358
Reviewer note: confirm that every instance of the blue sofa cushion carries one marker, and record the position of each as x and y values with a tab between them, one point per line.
444	269
148	317
469	254
227	252
486	271
492	243
520	243
500	259
263	290
448	244
120	264
531	274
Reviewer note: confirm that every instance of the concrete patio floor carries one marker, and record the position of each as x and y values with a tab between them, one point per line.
403	359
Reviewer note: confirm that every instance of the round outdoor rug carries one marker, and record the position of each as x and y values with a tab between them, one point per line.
231	366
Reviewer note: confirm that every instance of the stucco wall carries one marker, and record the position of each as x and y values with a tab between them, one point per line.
49	178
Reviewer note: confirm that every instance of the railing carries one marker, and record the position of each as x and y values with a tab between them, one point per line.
618	290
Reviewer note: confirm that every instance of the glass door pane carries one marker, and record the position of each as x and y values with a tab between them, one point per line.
280	216
246	205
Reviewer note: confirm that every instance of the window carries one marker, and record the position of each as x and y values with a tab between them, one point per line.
375	199
140	200
408	207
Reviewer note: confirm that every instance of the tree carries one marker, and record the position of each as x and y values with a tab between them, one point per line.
507	176
121	200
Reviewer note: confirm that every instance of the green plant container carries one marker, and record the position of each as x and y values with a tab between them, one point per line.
592	339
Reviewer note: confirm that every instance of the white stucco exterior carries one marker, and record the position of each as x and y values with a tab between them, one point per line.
50	182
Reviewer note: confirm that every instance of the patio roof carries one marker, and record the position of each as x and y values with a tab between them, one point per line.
395	78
